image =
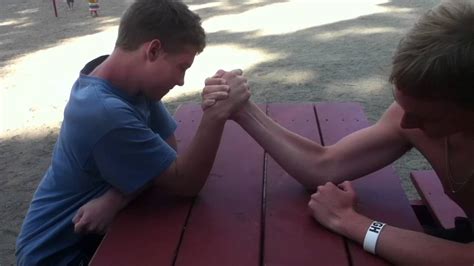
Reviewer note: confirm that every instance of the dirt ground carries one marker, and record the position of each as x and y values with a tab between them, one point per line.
291	51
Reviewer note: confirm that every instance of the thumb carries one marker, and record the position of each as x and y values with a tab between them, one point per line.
237	72
78	216
346	186
79	227
219	73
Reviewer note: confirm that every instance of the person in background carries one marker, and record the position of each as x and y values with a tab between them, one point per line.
94	7
70	4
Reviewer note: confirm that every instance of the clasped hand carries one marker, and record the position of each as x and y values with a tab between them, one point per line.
229	88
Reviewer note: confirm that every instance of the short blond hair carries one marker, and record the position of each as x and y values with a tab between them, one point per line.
436	57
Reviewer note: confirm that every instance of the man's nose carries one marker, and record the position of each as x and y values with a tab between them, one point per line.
180	82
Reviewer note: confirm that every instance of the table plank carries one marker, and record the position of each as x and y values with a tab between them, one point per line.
148	231
339	120
292	237
224	227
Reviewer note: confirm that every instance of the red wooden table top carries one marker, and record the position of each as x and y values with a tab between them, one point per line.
251	212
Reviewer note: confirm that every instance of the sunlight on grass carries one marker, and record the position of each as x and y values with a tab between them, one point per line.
12	22
331	35
28	11
36	86
296	15
372	84
206	5
294	77
25	25
110	21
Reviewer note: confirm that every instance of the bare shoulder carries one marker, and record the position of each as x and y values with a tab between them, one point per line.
389	123
392	116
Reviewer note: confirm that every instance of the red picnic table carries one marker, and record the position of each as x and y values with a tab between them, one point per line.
251	212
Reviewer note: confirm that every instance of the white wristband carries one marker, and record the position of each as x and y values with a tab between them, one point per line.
373	232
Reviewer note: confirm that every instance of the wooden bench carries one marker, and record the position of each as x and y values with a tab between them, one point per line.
251	212
442	209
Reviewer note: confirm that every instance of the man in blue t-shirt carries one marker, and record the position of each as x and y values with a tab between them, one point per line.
117	137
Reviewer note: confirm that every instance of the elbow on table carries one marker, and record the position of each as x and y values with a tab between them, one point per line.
312	187
311	180
181	189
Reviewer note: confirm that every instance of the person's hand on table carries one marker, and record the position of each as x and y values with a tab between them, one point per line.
333	205
96	215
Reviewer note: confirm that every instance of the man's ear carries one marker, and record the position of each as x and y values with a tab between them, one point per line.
154	49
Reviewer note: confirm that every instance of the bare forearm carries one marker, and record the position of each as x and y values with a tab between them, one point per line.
194	165
405	247
300	157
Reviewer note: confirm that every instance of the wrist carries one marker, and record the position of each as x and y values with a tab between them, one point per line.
353	225
244	112
372	236
216	115
116	199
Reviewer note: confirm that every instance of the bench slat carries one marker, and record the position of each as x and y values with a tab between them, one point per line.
441	207
339	120
224	227
292	237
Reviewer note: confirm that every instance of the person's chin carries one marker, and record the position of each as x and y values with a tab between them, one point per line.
155	97
435	134
159	95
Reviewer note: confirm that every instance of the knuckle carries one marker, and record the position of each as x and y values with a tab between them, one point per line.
314	196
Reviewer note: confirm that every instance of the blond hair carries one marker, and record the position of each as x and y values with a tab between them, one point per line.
436	57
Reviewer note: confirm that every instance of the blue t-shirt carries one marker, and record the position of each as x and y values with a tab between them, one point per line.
107	138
